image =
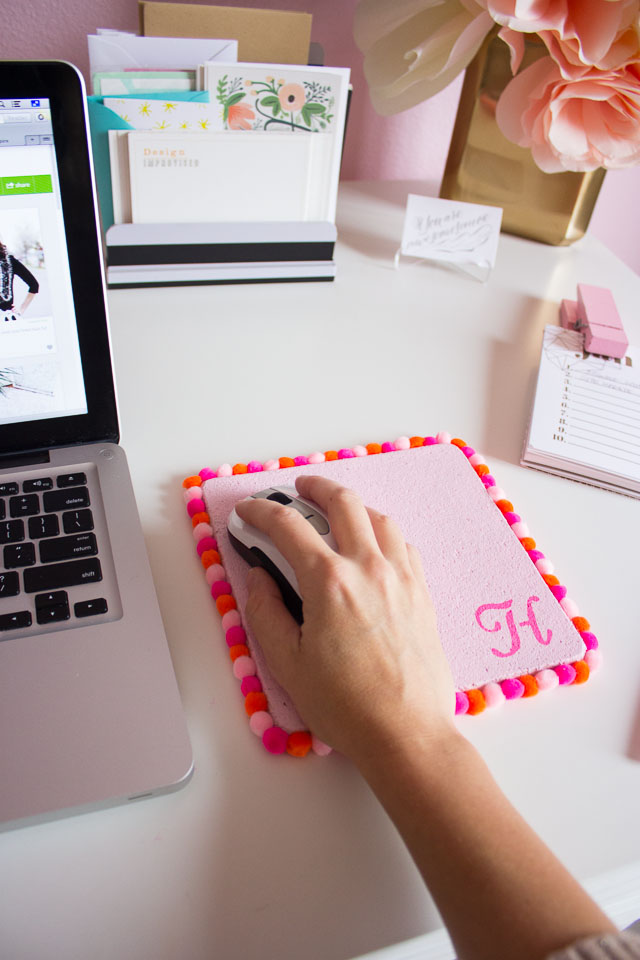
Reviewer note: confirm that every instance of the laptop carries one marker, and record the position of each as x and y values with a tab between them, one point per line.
90	713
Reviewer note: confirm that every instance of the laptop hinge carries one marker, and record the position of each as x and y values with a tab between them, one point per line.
23	459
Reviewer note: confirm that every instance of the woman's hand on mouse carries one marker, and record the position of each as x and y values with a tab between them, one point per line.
366	667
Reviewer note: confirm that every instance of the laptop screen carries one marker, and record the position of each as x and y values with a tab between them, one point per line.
40	365
56	383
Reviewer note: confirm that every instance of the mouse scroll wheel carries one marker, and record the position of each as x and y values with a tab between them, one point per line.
279	497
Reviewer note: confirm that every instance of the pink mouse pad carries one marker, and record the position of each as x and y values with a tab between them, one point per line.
505	621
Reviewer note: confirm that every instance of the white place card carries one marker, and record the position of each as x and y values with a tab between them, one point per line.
449	231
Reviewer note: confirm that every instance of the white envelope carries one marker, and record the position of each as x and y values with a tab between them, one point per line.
124	51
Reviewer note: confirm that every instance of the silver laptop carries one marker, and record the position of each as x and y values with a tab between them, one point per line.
90	713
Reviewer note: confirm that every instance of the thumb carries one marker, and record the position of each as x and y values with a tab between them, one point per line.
271	623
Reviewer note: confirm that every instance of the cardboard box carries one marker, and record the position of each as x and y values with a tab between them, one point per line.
264	36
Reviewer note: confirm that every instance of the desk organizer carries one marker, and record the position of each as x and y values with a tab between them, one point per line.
507	626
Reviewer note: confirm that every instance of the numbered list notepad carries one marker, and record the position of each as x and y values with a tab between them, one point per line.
585	423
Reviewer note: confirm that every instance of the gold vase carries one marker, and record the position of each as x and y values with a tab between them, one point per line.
484	167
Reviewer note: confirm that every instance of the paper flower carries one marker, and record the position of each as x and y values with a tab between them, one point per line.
292	97
240	116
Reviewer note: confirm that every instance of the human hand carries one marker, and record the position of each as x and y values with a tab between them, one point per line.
366	667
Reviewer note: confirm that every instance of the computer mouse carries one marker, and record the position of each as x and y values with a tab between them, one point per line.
259	550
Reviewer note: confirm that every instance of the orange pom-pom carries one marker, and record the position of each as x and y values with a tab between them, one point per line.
528	543
477	702
481	469
200	518
505	505
458	443
192	482
255	701
238	650
331	455
582	671
239	468
581	624
550	579
286	462
224	603
209	557
299	743
416	441
530	685
374	448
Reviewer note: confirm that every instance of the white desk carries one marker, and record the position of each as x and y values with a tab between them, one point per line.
269	857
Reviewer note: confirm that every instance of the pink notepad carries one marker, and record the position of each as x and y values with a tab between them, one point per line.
505	621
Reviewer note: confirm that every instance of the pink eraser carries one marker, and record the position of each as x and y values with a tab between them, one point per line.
598	314
569	314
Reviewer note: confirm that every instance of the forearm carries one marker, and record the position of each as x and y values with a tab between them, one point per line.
499	889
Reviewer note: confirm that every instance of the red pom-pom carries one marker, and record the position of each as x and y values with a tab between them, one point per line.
374	448
550	580
199	518
238	650
220	587
250	684
477	702
209	557
505	506
530	685
225	603
275	740
255	701
286	462
299	743
582	671
581	624
331	455
192	482
235	635
528	543
240	468
416	441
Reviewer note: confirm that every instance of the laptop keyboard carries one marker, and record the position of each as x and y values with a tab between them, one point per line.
50	563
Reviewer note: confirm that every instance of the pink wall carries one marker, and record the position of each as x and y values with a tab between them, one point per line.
410	146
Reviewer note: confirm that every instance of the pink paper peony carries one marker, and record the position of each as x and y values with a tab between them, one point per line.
581	124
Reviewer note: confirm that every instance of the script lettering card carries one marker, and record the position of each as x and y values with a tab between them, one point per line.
450	231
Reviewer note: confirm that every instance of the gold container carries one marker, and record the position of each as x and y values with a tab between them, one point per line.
484	167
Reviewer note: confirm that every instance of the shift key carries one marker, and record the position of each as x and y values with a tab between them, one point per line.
57	575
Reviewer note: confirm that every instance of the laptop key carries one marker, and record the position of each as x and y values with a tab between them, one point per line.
46	525
9	584
8	489
11	531
52	607
25	506
3	510
76	521
71	499
19	555
90	608
33	486
15	621
71	479
68	548
72	573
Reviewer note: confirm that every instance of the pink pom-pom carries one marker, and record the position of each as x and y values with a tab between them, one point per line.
468	451
496	493
546	679
192	493
593	659
243	667
402	443
387	447
215	572
231	619
345	454
512	689
320	748
202	530
429	441
259	722
254	466
566	673
558	591
488	480
271	465
207	543
476	459
196	505
208	474
235	635
250	684
301	461
511	517
535	555
275	739
590	639
521	530
226	470
462	702
493	694
443	437
570	607
359	451
316	457
544	565
219	588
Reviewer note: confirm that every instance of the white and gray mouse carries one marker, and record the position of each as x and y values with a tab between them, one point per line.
259	550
